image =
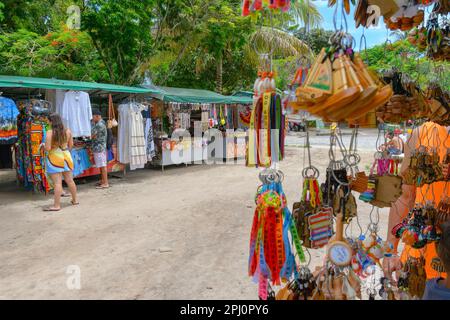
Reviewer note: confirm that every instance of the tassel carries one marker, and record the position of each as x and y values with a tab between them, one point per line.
246	8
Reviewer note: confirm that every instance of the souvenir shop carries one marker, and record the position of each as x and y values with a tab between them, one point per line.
178	114
338	86
26	104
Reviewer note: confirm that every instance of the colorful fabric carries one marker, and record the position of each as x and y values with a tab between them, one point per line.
100	133
8	121
81	161
59	161
30	157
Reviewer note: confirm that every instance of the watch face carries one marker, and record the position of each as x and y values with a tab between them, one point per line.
340	254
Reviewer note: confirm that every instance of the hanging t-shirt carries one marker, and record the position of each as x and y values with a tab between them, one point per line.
76	113
8	121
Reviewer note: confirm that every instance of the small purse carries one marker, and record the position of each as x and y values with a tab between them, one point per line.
384	187
112	122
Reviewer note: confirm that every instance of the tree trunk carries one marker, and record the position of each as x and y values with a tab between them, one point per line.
219	74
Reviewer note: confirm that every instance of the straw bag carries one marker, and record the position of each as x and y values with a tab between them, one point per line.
112	122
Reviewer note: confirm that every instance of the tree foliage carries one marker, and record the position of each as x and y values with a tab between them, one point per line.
186	43
66	54
409	60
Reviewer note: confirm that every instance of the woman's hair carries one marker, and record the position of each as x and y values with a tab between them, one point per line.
444	246
59	136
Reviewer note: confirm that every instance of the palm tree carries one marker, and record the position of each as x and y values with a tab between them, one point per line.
399	35
305	12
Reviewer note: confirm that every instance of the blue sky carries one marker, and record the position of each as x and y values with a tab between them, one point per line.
374	35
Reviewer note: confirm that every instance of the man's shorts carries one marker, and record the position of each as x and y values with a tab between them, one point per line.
100	159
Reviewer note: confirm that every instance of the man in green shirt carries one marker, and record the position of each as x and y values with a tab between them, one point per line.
99	136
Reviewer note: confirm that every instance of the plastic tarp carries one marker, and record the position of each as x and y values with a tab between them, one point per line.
43	83
182	95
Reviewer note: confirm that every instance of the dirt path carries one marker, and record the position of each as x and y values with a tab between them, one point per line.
181	234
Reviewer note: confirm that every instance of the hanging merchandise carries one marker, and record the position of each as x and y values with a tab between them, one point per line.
443	211
30	156
314	220
438	39
345	4
267	126
8	121
337	188
419	227
412	280
271	256
407	103
148	132
301	288
406	19
385	185
76	113
251	6
434	38
339	86
438	104
81	160
424	167
131	145
337	280
112	122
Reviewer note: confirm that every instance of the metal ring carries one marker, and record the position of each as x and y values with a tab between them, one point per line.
315	173
352	160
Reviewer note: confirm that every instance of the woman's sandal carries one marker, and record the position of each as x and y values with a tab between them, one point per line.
102	187
51	209
74	203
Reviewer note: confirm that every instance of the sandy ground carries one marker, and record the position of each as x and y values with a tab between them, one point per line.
178	234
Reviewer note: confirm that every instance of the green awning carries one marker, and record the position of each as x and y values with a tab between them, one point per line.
242	99
183	95
43	83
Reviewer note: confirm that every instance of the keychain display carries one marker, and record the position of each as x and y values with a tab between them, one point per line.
408	101
424	168
419	228
414	277
271	257
314	220
301	288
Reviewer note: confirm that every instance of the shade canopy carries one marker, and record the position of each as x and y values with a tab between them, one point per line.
197	96
167	94
43	83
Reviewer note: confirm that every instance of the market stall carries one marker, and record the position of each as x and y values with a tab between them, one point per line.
35	98
182	116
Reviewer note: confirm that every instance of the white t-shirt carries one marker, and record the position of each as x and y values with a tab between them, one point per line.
76	113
